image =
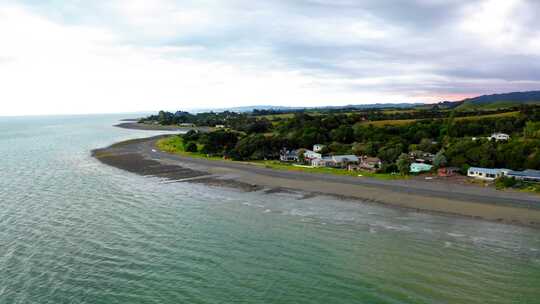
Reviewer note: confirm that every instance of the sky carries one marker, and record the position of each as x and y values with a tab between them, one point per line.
105	56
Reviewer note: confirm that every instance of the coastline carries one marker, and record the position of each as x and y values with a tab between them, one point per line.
140	156
134	125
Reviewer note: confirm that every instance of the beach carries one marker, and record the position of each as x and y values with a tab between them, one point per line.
142	157
134	125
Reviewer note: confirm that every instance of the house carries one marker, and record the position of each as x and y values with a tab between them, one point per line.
318	147
421	156
187	125
220	126
309	156
447	172
321	162
288	155
341	161
420	167
499	136
526	175
335	161
486	173
370	163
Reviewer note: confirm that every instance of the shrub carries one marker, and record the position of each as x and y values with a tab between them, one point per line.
191	147
505	182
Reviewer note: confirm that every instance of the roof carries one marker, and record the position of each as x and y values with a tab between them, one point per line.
371	159
421	165
487	170
525	173
341	158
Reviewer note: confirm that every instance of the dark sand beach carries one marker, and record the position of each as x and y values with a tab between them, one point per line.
140	156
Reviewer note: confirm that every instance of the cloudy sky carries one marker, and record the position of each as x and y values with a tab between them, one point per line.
100	56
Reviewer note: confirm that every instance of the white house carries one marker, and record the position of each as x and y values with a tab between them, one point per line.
318	147
220	126
288	155
486	173
336	161
499	136
311	155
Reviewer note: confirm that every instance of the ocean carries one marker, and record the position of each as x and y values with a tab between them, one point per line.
73	230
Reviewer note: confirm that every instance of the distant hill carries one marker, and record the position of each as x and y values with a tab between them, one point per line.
496	101
283	108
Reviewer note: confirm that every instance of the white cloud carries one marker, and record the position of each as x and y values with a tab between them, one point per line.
76	69
134	55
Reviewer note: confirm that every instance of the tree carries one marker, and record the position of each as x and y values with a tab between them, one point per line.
440	160
532	129
425	145
403	164
390	152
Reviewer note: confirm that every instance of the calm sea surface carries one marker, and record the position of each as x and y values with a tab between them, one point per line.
75	231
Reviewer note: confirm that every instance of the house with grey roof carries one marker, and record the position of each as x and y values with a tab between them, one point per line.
486	173
526	175
335	161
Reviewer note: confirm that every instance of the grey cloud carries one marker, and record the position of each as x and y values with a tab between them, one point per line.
422	40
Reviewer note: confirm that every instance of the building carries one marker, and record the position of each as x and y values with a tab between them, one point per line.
420	167
421	156
288	155
370	163
187	125
447	171
318	147
220	126
321	162
499	136
335	161
526	175
486	173
309	156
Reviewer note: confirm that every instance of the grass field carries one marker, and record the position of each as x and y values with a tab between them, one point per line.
175	144
499	115
401	122
392	122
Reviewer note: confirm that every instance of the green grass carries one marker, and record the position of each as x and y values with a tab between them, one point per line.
401	122
175	145
498	115
272	164
467	106
391	122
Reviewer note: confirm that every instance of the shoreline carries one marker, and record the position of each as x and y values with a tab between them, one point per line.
134	125
140	156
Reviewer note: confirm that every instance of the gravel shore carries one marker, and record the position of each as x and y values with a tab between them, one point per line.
142	157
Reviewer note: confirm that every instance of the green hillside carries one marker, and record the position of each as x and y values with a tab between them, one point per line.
499	101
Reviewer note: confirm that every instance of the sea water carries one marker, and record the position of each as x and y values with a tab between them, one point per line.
73	230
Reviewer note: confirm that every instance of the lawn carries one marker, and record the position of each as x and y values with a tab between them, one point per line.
273	164
175	145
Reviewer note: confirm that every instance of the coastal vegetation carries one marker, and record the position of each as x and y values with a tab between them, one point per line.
454	138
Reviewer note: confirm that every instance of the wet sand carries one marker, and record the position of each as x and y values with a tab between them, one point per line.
142	157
